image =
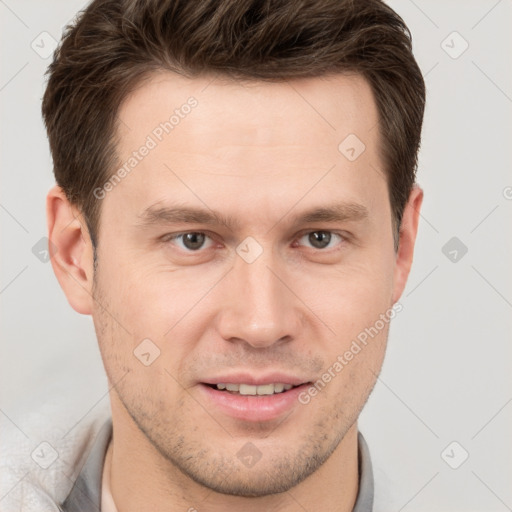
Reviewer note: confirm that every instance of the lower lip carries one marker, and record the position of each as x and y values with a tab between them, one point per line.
253	408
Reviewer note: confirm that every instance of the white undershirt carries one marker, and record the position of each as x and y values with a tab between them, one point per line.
107	501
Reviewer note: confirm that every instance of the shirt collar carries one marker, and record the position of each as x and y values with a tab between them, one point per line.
85	495
364	501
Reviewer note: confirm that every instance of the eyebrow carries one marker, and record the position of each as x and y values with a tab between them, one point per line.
337	212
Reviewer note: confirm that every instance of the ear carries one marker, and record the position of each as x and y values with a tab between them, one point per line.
71	249
408	231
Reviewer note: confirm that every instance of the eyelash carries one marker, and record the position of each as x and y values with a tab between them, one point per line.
171	237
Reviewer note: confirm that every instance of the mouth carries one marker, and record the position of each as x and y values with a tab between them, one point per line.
253	400
253	390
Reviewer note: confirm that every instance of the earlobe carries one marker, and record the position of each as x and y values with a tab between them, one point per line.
72	255
408	232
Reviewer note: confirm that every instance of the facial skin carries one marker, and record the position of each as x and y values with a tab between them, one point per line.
260	154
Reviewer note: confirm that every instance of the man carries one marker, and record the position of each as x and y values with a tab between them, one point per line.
236	208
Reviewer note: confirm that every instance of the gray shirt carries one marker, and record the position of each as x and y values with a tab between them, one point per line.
85	495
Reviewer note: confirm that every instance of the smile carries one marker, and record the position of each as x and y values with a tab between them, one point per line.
251	389
253	400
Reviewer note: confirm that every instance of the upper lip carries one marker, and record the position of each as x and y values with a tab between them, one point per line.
255	380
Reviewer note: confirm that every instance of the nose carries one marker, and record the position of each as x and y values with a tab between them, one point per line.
258	306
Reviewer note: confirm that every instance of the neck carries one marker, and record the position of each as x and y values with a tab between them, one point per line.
142	479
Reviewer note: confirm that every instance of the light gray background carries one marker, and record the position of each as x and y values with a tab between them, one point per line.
447	373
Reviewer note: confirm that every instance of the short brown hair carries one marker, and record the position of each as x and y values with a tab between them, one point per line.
114	44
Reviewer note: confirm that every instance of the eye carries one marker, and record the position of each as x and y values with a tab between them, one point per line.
322	239
191	241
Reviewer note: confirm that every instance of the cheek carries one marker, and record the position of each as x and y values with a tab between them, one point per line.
353	297
147	302
133	349
144	303
357	306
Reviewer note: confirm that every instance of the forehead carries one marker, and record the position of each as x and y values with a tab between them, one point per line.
307	113
211	138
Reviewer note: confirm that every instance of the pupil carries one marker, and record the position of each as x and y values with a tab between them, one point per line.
193	240
319	239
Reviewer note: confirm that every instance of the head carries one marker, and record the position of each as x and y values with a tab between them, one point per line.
236	188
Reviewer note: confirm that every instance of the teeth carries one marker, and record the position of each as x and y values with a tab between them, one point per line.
252	390
247	389
266	389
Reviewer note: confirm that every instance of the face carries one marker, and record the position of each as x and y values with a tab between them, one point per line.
239	258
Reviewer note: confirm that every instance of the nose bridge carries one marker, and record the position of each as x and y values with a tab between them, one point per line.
260	309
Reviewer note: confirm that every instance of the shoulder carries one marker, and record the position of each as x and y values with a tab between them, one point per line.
42	452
